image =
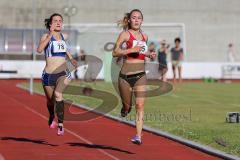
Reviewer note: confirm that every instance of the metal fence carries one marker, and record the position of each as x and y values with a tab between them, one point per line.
20	41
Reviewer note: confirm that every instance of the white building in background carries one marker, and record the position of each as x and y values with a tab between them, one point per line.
210	24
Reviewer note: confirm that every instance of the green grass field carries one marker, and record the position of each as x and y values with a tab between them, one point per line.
195	111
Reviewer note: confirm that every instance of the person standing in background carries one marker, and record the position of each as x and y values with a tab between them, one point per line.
152	50
162	60
177	58
80	57
231	53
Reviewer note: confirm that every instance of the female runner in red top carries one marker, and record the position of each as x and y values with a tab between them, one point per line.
132	77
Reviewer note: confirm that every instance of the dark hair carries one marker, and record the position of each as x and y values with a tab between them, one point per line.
48	21
177	40
152	43
124	23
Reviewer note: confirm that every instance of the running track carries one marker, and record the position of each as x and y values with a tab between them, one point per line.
24	135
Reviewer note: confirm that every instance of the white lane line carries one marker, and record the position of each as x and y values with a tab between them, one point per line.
67	130
1	157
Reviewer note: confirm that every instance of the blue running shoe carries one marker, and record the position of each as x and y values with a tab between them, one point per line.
136	140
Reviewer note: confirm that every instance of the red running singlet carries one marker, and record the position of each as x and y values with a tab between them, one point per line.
132	42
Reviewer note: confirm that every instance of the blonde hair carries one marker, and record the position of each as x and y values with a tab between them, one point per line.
124	23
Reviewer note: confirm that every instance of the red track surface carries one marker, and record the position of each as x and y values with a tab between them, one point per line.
24	135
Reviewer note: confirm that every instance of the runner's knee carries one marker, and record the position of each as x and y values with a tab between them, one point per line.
58	96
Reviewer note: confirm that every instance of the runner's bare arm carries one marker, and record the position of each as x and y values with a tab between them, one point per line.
118	51
43	42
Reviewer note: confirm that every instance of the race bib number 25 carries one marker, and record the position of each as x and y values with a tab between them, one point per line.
142	44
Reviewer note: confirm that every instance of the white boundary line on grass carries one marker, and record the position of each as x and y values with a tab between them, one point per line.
197	146
69	131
